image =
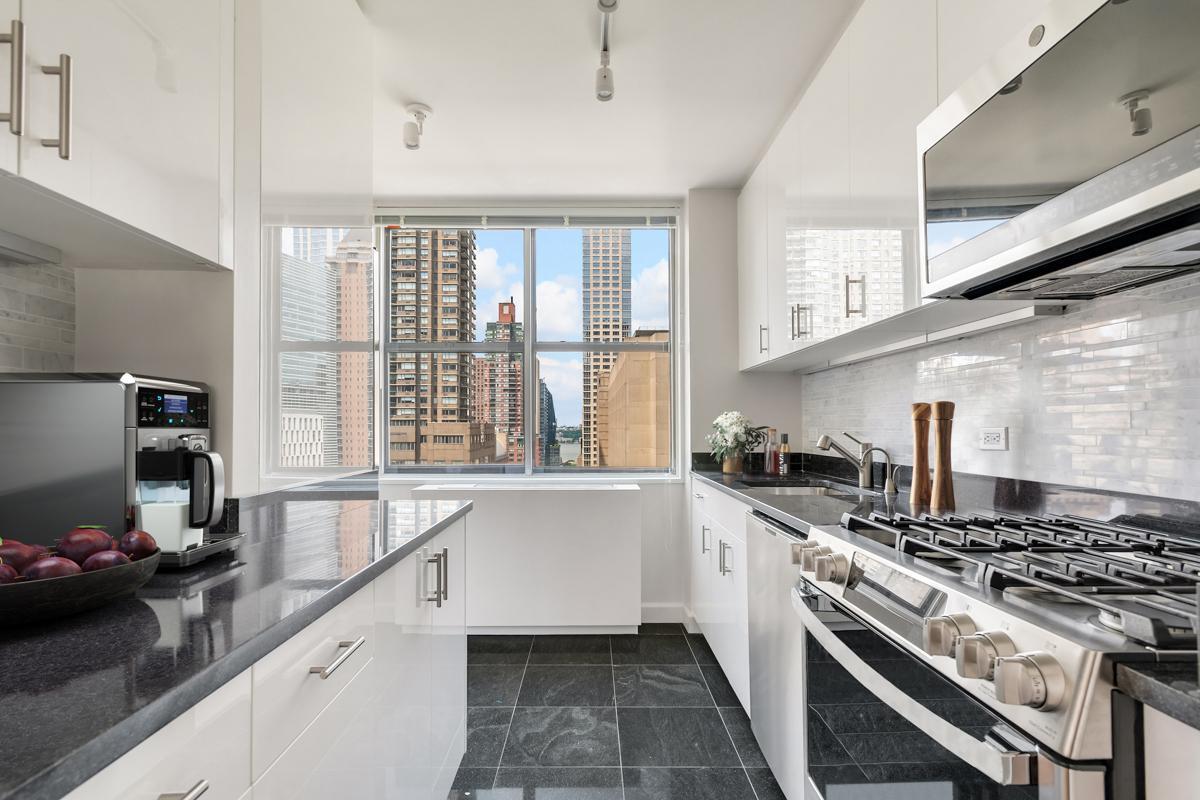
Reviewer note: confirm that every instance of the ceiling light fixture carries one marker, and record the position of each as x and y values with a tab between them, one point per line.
604	75
416	126
1139	115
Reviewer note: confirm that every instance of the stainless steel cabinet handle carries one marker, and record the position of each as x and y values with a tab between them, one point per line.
697	495
704	548
191	794
762	348
63	71
16	95
438	593
862	288
444	581
802	312
722	564
348	648
792	320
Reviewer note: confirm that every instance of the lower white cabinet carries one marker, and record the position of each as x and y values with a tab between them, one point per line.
1170	748
719	589
207	744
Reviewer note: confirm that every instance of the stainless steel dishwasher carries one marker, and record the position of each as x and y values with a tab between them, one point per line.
777	702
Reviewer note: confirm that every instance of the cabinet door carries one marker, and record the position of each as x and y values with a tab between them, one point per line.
145	126
209	743
730	640
10	12
753	328
788	316
404	705
449	658
701	566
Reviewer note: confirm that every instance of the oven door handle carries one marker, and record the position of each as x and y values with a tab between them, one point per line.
1004	766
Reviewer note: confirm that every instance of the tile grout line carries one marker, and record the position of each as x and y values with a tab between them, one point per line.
612	665
507	733
720	716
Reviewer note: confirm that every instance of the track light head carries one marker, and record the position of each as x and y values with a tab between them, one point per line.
416	126
604	79
1140	119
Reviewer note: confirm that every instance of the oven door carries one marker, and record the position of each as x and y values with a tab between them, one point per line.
881	724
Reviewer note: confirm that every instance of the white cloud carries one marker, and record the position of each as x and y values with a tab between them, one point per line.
651	290
558	309
490	274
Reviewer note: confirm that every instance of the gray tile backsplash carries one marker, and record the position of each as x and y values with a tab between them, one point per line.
1106	396
37	318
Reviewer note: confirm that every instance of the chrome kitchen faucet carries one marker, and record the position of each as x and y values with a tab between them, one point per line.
864	461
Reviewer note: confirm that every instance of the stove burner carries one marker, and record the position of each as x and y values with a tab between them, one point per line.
1142	582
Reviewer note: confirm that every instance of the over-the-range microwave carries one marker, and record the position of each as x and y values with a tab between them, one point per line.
1068	167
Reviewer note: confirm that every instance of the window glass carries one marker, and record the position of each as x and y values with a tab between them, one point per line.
326	279
326	410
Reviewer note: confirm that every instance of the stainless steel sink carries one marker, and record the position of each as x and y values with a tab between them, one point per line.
797	490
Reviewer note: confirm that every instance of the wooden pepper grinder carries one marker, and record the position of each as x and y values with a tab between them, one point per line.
918	496
943	484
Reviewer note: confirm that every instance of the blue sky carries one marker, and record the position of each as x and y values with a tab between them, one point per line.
499	275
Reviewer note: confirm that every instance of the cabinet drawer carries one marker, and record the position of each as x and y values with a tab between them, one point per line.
722	509
338	755
208	742
287	695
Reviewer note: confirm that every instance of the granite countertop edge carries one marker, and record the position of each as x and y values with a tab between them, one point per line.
60	779
775	513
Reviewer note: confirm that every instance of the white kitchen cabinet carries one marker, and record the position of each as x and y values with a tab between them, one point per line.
969	32
210	742
145	128
1170	748
754	334
701	562
10	12
448	628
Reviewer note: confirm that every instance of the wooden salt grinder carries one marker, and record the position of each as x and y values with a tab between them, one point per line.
919	494
942	498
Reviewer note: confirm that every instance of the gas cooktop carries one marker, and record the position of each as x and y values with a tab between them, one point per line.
1139	582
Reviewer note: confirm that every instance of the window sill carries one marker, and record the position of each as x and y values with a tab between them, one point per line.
529	480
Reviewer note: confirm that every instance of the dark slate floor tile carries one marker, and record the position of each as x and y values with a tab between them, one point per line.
666	685
917	680
861	718
960	780
660	629
657	783
829	682
487	728
675	737
824	749
839	775
700	649
892	748
567	686
562	737
493	686
764	784
723	694
738	725
509	650
470	781
576	783
631	649
571	650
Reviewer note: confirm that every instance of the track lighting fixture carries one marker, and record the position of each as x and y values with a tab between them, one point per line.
416	126
604	75
1139	114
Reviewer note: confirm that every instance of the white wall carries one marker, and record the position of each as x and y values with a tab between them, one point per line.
710	343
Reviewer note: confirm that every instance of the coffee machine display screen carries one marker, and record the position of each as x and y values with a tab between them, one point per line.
163	409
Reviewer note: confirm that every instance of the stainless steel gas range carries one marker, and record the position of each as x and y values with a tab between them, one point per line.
973	656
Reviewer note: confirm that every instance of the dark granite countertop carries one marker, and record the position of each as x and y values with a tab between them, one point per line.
77	693
1169	686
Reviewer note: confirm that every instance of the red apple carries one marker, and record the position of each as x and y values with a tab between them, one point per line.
52	567
8	574
80	543
17	554
105	559
138	544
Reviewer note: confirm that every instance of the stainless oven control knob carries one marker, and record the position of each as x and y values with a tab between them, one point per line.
808	558
976	655
799	549
1030	679
939	633
833	568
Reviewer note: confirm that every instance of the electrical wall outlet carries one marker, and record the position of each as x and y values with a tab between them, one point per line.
993	438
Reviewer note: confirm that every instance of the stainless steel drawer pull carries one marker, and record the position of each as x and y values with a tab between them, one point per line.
349	648
191	794
444	581
439	592
704	548
16	95
762	348
63	71
722	563
800	312
861	281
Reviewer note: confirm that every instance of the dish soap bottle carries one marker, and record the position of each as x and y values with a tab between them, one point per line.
785	456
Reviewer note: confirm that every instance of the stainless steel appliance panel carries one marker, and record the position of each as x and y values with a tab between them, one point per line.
777	711
62	458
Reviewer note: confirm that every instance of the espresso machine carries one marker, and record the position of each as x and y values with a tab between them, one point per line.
116	450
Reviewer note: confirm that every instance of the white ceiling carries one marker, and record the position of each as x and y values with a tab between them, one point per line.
701	86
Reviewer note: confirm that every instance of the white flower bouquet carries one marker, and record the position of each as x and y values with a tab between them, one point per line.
733	437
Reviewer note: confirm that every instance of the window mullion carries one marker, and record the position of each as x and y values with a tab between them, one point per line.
529	375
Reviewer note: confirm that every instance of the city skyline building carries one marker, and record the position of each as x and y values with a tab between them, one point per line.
497	387
549	452
607	317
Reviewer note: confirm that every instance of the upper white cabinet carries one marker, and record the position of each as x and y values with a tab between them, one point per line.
753	326
969	32
134	100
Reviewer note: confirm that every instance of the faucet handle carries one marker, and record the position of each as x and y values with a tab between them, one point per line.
853	438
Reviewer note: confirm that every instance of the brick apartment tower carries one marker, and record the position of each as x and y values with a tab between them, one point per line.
431	274
496	386
607	317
